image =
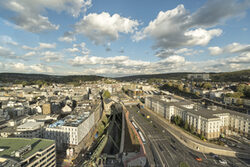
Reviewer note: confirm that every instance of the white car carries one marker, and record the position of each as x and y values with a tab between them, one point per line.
222	161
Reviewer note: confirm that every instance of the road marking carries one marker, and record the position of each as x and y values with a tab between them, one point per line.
215	161
204	155
168	151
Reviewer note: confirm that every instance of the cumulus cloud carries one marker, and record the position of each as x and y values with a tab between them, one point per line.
231	48
29	15
72	50
41	46
102	28
215	50
116	61
178	28
216	11
30	54
49	56
21	67
164	53
82	48
67	37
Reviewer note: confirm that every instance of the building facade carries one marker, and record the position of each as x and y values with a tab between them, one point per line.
209	122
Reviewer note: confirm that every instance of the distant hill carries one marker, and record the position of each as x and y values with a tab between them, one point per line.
19	78
235	76
159	76
243	75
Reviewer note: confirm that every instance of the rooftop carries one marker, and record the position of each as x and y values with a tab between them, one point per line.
14	144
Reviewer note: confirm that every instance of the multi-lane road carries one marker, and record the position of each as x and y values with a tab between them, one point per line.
163	149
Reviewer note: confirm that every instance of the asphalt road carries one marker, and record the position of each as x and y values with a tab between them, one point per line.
163	149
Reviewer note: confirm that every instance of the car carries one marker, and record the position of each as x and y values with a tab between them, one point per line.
222	161
198	159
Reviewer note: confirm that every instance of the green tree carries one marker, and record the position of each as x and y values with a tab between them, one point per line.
187	90
240	88
247	91
177	120
180	87
186	125
207	85
197	93
202	137
106	94
170	84
192	129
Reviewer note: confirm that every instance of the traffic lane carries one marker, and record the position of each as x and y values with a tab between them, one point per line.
182	149
232	161
149	131
168	149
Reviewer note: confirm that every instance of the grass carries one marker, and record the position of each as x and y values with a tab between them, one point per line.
14	144
184	164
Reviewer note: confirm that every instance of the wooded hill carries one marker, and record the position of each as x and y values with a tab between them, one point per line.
235	76
34	78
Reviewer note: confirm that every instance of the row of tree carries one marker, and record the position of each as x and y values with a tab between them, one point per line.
242	91
177	120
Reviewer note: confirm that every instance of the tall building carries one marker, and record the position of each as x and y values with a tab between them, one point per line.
20	152
198	76
72	129
46	109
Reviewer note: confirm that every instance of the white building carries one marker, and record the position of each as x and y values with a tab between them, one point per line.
30	130
211	123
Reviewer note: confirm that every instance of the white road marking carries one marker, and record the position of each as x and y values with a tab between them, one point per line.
204	155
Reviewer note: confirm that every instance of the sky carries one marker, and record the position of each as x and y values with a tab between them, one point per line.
124	37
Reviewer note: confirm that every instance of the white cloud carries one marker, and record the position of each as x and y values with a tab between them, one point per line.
175	59
178	28
231	48
67	37
29	15
164	53
40	68
215	50
21	67
72	50
116	61
49	56
82	48
29	54
243	58
47	46
41	46
102	28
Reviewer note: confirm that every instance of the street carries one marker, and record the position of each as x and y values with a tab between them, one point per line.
164	150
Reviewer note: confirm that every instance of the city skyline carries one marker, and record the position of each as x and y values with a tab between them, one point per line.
118	38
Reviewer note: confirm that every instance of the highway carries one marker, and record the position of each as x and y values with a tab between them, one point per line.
164	150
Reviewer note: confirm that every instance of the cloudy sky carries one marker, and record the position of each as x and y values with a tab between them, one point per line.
118	37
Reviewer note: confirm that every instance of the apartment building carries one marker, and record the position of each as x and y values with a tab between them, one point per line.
27	152
71	130
209	122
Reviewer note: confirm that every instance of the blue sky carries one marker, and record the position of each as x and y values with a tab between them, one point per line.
118	38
